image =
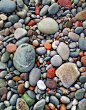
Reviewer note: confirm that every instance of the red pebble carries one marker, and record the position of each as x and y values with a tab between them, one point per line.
37	10
51	73
79	23
65	3
31	23
83	60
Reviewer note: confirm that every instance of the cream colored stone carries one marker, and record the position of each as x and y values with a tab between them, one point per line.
48	26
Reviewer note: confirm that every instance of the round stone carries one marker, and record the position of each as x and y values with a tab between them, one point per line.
56	60
65	100
24	58
73	36
11	83
11	47
41	50
41	85
13	18
8	6
48	26
79	94
78	30
53	8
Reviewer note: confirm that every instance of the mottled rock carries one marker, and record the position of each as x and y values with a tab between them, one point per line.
51	84
68	73
82	104
27	54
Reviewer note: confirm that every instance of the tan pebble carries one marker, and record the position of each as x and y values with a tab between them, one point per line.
72	89
11	47
52	107
63	107
6	32
35	43
21	88
3	97
44	75
82	69
16	78
47	107
83	73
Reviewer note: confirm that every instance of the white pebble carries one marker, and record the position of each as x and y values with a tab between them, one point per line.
41	85
26	84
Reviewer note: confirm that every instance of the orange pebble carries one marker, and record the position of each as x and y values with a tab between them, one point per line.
31	88
47	45
63	107
83	60
47	89
85	95
16	78
31	23
37	10
38	63
11	47
81	54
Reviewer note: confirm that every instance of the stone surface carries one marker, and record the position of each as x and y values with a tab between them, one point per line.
81	15
79	94
68	73
82	104
8	6
27	53
63	51
21	104
3	90
53	8
20	32
82	43
41	103
34	76
56	60
13	99
73	36
48	26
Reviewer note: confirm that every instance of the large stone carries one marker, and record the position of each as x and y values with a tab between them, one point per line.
81	15
82	104
63	51
68	73
24	58
48	26
7	6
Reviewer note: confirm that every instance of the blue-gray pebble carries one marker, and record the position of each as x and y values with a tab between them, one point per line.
78	30
82	43
13	18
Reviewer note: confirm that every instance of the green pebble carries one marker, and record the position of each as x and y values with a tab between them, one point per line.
2	82
16	72
5	57
76	1
7	103
28	100
79	94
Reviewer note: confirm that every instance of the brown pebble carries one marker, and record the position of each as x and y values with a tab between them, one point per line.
47	107
24	76
51	84
85	95
21	88
35	43
63	107
6	33
52	107
83	60
82	69
11	47
3	97
29	33
16	78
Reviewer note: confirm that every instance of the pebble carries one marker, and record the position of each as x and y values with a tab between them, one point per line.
13	99
17	25
72	45
41	103
21	104
3	74
44	2
11	83
27	62
20	3
79	94
82	43
83	60
63	51
3	90
73	36
27	84
31	94
78	30
3	17
36	74
7	7
82	104
54	100
2	106
53	8
21	88
44	10
56	60
65	99
5	57
81	15
51	84
82	78
41	85
28	99
67	79
2	82
11	47
41	50
48	24
13	18
20	32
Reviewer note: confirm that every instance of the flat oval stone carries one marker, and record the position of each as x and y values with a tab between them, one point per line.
73	36
21	104
68	73
81	15
41	103
53	8
5	57
54	100
24	58
41	85
63	51
65	100
13	18
44	10
14	99
48	26
41	50
8	6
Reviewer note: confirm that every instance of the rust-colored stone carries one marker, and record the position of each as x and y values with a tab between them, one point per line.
51	84
21	88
